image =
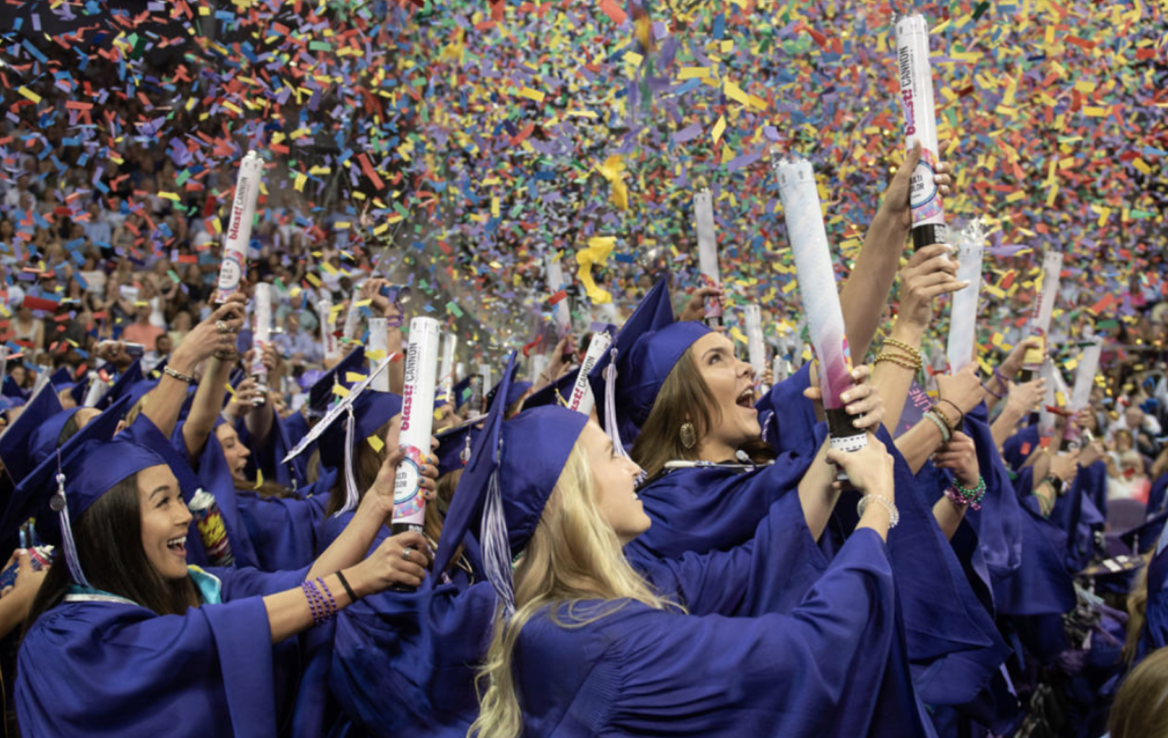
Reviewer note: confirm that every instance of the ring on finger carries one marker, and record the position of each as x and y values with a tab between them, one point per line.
221	326
406	554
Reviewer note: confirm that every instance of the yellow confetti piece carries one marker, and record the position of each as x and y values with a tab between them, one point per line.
173	197
597	252
340	390
27	93
354	377
1016	196
259	478
694	73
375	443
735	93
737	335
719	128
531	94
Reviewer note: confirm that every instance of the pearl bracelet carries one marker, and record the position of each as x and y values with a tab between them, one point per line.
889	505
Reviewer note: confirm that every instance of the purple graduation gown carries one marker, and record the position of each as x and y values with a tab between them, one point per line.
829	668
115	668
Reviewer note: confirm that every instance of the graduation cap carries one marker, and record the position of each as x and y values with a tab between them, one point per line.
122	385
369	411
15	448
460	392
9	388
81	388
646	350
62	379
555	393
320	394
454	445
62	487
525	457
515	390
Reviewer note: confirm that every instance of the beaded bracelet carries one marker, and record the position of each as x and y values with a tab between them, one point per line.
945	417
1045	506
971	497
946	434
915	354
889	505
898	359
310	594
332	602
960	415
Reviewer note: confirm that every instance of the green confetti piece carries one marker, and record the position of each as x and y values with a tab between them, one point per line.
453	309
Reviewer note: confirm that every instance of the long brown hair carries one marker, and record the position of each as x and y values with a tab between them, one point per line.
684	397
366	465
1141	706
109	544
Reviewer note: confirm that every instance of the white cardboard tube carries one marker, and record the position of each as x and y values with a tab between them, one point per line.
755	344
703	206
261	336
970	248
581	399
409	507
555	282
915	75
378	350
238	236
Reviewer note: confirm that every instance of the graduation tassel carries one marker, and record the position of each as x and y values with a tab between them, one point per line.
61	505
611	424
351	495
496	545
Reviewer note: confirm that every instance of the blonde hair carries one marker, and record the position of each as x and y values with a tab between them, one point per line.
1137	607
573	559
1141	705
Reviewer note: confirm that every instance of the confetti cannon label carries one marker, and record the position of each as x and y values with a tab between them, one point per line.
213	532
581	399
920	124
409	506
817	288
247	188
708	253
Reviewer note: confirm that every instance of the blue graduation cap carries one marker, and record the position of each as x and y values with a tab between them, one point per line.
454	445
62	487
79	390
515	390
525	457
320	394
62	379
460	392
646	350
15	442
554	393
122	385
9	388
370	410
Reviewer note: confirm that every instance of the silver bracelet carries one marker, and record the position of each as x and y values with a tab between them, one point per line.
945	433
889	505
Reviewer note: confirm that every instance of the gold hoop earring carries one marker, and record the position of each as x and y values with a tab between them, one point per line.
688	435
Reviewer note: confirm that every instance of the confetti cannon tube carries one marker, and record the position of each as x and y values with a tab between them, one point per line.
820	296
970	247
409	507
243	209
581	399
352	316
1081	394
328	333
212	530
479	385
755	345
708	253
555	283
263	331
378	350
817	287
446	373
920	124
1041	314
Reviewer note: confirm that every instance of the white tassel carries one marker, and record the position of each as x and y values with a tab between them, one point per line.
611	424
351	495
496	546
71	558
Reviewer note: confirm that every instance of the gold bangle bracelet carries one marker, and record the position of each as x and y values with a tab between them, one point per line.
915	353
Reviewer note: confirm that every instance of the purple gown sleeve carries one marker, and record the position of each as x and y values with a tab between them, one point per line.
768	574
